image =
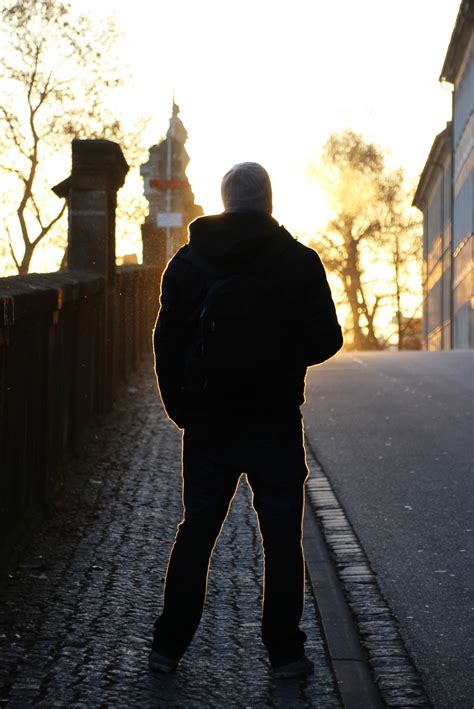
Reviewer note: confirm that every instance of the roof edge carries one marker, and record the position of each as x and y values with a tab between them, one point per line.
440	143
458	42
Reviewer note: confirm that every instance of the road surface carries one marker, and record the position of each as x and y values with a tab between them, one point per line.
394	433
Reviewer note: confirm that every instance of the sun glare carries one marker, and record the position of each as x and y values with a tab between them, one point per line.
272	83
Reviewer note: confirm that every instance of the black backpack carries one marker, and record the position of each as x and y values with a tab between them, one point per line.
237	328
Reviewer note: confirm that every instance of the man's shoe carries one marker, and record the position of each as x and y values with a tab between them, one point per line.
160	663
303	666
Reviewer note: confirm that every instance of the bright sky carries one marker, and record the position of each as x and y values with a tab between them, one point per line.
268	80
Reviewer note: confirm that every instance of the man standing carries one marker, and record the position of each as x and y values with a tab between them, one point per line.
245	309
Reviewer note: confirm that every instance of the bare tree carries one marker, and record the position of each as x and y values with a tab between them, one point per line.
365	243
59	74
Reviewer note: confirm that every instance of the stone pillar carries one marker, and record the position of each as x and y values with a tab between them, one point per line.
98	171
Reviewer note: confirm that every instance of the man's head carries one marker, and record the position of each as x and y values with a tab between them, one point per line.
247	188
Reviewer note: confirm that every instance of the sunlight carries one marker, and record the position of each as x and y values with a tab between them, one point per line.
248	92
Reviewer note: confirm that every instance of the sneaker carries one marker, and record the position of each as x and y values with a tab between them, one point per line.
302	666
160	663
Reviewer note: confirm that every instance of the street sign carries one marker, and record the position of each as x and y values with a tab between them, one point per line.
170	219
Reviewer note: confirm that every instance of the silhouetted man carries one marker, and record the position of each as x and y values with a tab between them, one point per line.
245	309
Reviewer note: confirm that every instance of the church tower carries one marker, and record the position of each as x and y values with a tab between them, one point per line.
169	194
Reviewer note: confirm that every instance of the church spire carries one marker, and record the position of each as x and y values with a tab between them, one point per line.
169	194
176	129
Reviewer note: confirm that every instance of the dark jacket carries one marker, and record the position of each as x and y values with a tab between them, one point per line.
229	242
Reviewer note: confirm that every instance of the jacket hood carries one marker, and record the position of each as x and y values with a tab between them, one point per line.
237	239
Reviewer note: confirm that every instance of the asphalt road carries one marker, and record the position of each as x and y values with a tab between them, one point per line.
394	432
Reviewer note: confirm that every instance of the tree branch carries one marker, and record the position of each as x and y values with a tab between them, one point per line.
37	212
409	321
47	227
33	77
10	123
10	243
14	171
43	95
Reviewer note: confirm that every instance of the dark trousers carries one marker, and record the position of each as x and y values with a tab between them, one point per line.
276	469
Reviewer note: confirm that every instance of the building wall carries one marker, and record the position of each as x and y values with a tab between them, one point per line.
447	256
463	206
463	94
437	260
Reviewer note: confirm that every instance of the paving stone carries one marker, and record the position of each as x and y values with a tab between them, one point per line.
77	611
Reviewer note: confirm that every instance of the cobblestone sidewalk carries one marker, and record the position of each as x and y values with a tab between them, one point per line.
77	610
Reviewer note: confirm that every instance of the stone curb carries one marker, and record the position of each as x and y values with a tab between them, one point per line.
347	657
393	669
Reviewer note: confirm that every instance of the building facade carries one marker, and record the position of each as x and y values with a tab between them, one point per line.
169	193
445	195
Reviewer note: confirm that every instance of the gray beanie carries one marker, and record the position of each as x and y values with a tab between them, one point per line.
247	188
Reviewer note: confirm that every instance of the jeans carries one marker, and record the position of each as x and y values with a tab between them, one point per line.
276	469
